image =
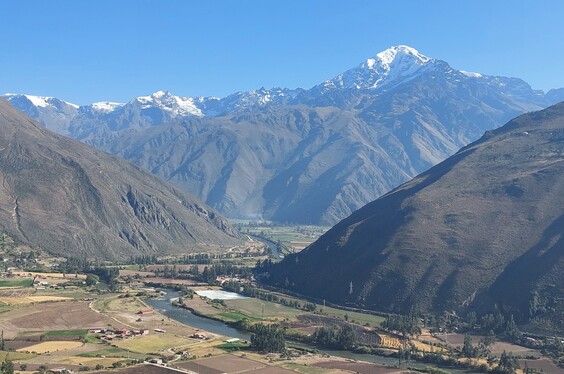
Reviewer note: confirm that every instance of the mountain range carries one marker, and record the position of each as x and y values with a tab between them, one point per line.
483	230
70	199
301	155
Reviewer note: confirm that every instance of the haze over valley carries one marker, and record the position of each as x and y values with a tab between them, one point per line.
389	201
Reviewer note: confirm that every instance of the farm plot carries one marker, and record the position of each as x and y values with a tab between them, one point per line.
49	275
32	299
541	366
52	346
457	340
222	364
153	343
15	356
256	308
144	369
66	315
357	367
16	282
16	292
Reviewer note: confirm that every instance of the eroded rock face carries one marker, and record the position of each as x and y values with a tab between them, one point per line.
73	200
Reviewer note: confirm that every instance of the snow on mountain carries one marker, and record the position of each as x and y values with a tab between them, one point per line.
106	106
471	74
38	101
53	113
395	65
176	105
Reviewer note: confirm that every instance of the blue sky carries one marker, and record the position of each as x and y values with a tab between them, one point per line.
85	51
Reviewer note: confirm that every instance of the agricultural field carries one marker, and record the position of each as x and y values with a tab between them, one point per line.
43	317
457	340
51	346
49	275
32	299
262	309
153	343
16	282
15	356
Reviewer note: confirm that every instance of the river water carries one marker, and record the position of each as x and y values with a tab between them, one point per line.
164	306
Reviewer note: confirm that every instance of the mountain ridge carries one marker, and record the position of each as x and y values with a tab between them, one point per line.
459	236
326	151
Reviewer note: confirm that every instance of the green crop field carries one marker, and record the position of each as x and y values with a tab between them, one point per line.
50	335
27	282
153	343
262	309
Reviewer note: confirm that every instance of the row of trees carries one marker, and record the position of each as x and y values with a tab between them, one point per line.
252	291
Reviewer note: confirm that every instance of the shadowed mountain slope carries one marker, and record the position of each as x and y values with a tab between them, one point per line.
72	200
303	156
484	228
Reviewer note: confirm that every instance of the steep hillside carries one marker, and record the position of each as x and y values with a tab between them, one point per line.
72	200
483	229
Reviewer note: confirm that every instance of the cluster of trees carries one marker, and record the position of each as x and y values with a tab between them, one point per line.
107	274
7	367
267	338
342	337
208	275
251	291
263	266
508	364
407	325
144	260
481	350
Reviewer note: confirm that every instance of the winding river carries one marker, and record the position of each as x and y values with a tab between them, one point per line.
165	306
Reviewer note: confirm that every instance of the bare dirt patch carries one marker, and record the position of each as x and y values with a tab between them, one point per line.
542	366
272	370
457	340
145	369
49	275
159	280
65	315
32	299
229	364
132	273
358	367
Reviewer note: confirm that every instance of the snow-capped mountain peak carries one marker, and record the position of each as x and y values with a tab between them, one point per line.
176	105
38	101
106	106
391	67
395	53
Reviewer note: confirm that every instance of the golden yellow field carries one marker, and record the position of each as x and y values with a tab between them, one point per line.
32	299
424	347
51	346
91	361
388	341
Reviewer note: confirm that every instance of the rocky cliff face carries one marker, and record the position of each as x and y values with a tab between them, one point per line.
73	200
